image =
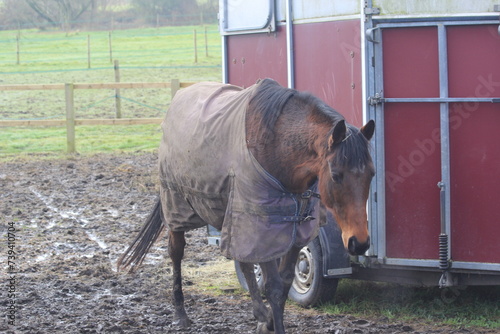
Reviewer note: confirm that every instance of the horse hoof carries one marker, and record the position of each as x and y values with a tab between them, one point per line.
262	328
183	322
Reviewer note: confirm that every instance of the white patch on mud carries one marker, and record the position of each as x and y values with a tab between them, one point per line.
44	199
94	238
68	214
42	257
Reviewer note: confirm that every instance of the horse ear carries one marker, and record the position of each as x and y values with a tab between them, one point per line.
338	134
368	129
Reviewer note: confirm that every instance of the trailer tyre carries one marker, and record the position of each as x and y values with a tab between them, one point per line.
310	288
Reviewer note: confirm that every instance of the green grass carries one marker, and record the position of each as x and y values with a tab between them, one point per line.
145	55
56	51
457	307
51	141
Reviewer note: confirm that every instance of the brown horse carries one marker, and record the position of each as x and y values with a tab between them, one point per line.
249	162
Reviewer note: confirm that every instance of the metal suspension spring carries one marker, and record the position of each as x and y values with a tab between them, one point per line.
443	252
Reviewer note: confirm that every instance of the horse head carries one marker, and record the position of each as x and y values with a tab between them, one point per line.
345	179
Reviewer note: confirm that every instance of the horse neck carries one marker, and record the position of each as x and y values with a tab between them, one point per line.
294	153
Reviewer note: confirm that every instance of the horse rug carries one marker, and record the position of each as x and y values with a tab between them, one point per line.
208	176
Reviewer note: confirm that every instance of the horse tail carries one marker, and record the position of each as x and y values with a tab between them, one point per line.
150	231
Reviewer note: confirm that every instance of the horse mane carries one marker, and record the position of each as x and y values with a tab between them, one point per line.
269	101
354	151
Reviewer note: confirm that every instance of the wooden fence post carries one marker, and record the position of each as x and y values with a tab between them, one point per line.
110	48
118	101
18	61
70	117
175	85
206	43
88	50
195	48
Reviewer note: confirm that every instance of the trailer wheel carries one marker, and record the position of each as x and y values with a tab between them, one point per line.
309	288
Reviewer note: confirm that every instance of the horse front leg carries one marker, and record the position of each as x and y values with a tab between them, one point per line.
274	292
278	283
260	311
176	244
287	269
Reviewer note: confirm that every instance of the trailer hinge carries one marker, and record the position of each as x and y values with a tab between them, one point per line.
372	11
375	99
370	34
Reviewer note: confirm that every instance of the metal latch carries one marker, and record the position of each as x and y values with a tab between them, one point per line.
372	11
376	99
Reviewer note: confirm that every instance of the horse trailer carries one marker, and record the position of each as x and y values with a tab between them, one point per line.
428	73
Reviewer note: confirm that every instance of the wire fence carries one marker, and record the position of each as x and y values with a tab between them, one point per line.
165	48
112	20
190	54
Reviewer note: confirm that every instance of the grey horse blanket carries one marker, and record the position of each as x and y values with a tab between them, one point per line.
208	176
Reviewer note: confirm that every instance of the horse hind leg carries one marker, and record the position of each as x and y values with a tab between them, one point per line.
176	244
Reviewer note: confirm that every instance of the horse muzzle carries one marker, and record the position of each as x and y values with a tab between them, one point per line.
354	247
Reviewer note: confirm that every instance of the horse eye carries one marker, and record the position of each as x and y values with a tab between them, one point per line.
337	177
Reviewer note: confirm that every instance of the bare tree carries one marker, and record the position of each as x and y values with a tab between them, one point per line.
15	14
60	12
151	9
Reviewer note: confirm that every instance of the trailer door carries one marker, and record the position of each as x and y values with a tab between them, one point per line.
434	92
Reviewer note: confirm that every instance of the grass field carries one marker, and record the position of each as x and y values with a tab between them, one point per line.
144	55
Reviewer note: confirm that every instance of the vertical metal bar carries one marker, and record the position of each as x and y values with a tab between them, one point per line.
366	22
445	137
289	45
380	150
368	84
225	62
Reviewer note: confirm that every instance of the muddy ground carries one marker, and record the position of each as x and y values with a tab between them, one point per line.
71	220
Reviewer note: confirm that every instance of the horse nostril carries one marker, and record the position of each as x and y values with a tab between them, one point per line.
357	248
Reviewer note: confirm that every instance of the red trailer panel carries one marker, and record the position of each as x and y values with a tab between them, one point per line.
257	56
411	64
412	173
474	54
412	143
328	64
412	151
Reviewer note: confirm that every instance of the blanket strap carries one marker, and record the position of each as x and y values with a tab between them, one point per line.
305	209
304	212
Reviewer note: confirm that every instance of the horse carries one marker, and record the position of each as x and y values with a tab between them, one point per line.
300	150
